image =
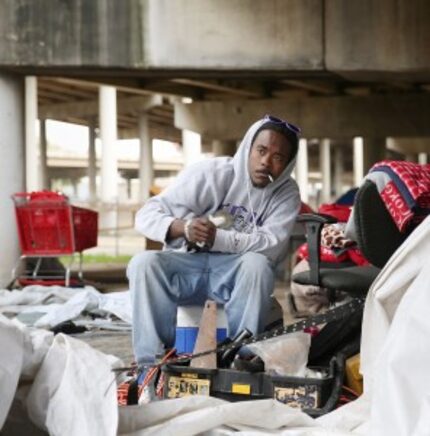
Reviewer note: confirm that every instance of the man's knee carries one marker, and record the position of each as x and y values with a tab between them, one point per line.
142	262
256	264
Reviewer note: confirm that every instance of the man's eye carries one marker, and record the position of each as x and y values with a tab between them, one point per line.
261	152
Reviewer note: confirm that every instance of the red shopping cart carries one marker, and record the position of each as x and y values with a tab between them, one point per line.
48	227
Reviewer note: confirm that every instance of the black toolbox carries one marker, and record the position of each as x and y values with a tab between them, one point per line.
315	396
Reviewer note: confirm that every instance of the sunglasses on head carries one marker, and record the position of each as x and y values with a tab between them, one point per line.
291	127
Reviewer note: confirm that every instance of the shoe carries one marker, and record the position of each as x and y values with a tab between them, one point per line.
141	389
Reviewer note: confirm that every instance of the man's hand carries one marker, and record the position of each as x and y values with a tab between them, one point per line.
201	230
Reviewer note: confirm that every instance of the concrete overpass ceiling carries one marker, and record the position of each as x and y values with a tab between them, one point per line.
75	98
76	101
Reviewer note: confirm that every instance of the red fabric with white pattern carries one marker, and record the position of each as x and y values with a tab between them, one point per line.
416	179
415	176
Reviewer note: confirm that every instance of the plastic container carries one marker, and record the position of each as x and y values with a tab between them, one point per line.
188	320
314	396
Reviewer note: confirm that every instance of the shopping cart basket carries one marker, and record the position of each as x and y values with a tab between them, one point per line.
48	227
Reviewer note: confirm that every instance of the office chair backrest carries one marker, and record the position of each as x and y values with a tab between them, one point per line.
377	235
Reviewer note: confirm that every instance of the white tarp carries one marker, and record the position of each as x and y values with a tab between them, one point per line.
56	304
395	351
73	393
68	395
11	361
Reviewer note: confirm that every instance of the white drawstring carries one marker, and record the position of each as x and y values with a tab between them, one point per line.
254	216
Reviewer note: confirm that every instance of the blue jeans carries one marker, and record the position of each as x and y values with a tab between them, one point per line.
160	281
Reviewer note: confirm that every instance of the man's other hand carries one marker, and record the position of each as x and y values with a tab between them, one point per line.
201	230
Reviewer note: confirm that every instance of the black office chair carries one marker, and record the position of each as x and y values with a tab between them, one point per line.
377	238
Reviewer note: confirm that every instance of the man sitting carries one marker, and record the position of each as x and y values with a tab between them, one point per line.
233	266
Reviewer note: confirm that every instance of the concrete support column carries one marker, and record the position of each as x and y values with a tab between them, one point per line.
12	169
32	163
146	165
423	158
43	155
223	148
92	161
338	170
302	171
74	182
192	146
358	165
373	151
109	164
325	170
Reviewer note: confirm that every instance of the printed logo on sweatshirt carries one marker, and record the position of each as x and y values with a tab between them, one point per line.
242	218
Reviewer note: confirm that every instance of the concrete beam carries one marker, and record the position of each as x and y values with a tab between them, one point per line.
269	34
224	148
151	34
364	38
95	33
157	131
372	116
409	145
90	108
361	39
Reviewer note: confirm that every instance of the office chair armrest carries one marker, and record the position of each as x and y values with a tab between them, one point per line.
317	217
313	226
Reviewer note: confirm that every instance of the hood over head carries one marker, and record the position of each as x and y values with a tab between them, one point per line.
241	158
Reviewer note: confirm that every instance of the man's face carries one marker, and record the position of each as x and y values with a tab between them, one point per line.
270	154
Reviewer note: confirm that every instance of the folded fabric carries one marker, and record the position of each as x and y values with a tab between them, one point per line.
407	193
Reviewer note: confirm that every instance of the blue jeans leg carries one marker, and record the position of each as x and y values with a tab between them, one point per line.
160	281
244	284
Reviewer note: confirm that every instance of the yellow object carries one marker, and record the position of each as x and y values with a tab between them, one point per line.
354	380
189	375
241	389
178	387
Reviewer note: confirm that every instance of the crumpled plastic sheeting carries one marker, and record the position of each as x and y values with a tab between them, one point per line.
193	415
34	295
11	361
395	351
401	391
73	393
353	418
83	300
285	355
60	304
36	345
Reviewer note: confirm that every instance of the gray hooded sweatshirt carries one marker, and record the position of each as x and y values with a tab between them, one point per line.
263	218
